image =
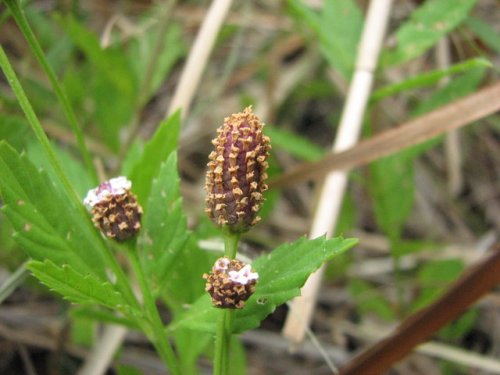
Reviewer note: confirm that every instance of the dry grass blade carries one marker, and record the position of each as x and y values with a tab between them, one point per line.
418	327
452	116
333	187
198	57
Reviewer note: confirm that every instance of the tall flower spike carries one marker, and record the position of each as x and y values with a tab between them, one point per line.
237	172
115	209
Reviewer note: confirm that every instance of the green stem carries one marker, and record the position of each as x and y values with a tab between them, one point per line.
122	283
157	329
230	244
226	318
35	124
25	28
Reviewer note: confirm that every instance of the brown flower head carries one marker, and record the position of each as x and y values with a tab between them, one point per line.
237	172
115	209
230	283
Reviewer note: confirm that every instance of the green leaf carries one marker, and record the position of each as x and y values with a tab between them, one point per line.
440	272
433	278
369	299
281	275
294	144
338	28
164	232
429	23
47	224
427	79
113	109
142	51
190	345
392	189
485	32
97	313
155	152
76	172
455	89
111	81
111	62
77	288
15	131
391	179
184	284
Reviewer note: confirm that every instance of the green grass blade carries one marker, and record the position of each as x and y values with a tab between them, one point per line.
23	24
429	78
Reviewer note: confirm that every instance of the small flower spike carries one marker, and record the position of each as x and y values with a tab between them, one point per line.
115	209
230	283
236	172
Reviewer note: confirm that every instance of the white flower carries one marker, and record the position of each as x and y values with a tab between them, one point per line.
243	276
115	186
221	264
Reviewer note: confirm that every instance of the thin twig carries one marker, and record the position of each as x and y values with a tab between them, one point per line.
334	185
198	57
452	140
418	327
451	116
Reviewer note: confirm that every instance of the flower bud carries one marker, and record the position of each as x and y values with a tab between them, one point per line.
115	209
230	283
237	171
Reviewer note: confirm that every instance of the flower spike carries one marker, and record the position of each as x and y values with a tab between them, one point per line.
236	175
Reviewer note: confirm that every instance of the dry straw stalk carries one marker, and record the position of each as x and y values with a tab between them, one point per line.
333	188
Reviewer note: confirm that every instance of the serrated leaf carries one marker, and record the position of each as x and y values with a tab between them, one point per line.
164	232
156	151
74	169
47	223
78	288
281	275
429	23
338	28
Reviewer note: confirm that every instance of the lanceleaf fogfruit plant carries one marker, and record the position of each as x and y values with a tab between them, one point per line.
236	172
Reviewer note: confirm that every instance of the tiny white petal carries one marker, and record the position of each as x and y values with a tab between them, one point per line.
221	264
243	276
115	186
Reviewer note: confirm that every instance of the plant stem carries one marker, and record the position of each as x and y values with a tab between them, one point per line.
156	332
73	196
25	28
230	244
226	318
35	125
